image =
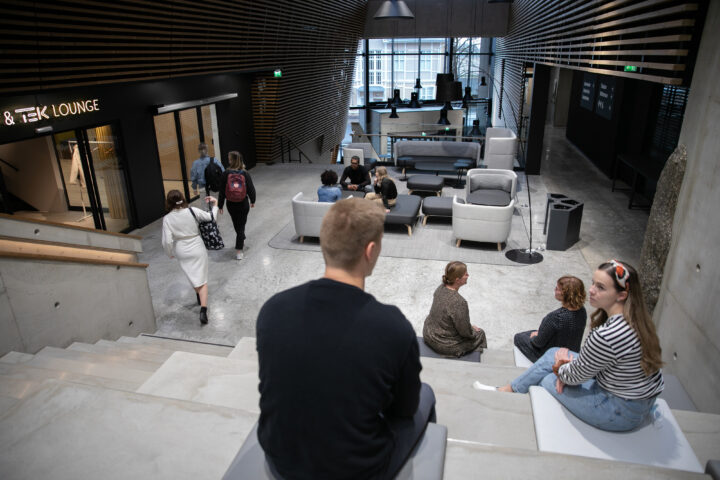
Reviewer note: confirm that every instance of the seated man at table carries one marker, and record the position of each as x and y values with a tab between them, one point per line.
359	176
340	391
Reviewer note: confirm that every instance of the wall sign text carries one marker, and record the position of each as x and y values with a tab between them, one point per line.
37	113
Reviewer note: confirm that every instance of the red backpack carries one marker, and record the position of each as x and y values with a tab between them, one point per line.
235	189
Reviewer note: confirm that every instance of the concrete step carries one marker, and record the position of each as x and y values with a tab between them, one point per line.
245	350
96	369
29	373
179	345
497	357
493	418
702	431
106	347
70	431
226	382
15	357
98	358
474	461
6	403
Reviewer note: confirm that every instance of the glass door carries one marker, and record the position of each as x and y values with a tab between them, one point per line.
94	177
108	178
178	136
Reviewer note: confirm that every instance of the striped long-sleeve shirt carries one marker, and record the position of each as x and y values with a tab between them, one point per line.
612	354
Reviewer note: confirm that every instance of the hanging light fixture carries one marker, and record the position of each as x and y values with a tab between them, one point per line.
417	84
414	102
393	9
393	113
467	98
483	83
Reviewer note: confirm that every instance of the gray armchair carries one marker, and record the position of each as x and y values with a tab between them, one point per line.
489	219
308	216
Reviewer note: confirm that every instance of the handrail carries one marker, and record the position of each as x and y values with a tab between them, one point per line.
65	225
9	165
291	145
57	258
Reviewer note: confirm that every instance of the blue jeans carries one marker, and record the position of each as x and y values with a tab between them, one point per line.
588	401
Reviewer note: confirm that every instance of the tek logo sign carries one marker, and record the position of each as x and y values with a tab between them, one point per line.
38	113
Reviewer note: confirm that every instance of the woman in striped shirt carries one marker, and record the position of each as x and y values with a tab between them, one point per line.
612	383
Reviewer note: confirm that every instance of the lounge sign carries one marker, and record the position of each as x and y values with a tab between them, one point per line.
36	113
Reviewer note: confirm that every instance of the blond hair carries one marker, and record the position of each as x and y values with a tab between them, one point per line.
381	172
235	160
347	228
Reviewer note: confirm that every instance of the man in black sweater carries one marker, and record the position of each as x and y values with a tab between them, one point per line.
340	391
358	175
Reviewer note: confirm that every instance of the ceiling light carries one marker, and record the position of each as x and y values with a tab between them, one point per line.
393	9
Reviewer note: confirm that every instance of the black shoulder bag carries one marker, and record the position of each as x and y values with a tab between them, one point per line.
209	232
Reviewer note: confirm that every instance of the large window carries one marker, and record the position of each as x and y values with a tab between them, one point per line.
471	64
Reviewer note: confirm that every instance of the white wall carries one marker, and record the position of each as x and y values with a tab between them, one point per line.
688	311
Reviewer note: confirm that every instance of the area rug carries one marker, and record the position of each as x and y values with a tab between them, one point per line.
434	241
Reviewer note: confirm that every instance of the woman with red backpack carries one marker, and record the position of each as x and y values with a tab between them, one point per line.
236	187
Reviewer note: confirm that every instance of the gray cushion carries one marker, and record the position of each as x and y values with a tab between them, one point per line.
490	181
412	160
439	149
439	206
494	198
426	351
426	461
405	211
431	183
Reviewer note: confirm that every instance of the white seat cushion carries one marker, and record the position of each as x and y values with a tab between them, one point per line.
659	443
520	359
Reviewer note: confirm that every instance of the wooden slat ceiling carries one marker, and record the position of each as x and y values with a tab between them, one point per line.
657	36
69	43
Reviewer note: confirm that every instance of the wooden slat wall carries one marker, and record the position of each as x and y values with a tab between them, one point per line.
68	43
658	36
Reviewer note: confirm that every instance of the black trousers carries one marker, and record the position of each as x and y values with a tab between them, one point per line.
409	430
522	342
238	213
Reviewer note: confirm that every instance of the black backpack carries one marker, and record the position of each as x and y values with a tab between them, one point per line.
213	175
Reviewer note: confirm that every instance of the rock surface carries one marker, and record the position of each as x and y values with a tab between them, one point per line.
658	235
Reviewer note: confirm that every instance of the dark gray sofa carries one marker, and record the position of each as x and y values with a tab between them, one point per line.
409	153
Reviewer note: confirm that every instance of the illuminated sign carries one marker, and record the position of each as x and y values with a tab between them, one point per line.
277	73
630	68
37	113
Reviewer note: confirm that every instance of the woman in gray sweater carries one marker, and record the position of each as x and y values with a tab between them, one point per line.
447	328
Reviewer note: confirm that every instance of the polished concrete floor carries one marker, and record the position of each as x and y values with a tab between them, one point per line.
502	299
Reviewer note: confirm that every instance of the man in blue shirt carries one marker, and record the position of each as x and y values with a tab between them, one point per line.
197	172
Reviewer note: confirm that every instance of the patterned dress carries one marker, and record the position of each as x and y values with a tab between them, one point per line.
447	328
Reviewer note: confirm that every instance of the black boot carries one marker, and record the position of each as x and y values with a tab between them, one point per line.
198	297
203	315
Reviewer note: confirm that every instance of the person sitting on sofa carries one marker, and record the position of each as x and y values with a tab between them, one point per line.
340	394
385	189
447	328
358	175
563	327
329	191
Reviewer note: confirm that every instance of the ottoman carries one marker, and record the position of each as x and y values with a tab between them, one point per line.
405	212
426	183
438	206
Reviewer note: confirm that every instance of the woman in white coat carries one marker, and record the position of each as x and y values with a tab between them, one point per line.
181	239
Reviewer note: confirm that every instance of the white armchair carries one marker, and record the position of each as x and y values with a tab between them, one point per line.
486	223
500	148
308	216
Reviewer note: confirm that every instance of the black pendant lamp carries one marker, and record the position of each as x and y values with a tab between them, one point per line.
467	98
414	102
483	83
393	9
393	113
417	84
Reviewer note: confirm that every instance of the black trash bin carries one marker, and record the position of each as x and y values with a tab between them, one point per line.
563	219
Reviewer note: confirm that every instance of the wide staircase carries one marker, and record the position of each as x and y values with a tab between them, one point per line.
148	407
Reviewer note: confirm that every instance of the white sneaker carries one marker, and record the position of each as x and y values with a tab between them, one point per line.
481	386
239	256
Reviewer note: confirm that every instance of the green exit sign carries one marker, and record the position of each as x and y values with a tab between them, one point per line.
278	73
630	68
